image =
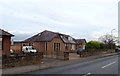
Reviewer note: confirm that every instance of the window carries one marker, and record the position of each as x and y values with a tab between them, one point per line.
46	46
56	46
32	44
70	38
2	44
66	46
29	44
23	44
73	47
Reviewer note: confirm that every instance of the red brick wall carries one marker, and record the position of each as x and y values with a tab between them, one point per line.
39	46
51	50
16	48
0	52
25	44
6	43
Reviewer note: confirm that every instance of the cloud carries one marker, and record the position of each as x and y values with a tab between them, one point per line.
20	35
79	18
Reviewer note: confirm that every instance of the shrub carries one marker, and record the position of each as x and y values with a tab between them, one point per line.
95	45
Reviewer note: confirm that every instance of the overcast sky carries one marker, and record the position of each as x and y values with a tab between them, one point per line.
87	19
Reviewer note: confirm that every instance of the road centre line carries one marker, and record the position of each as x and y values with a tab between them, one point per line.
109	64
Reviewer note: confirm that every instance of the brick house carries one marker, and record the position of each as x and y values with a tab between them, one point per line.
80	43
50	42
16	47
5	42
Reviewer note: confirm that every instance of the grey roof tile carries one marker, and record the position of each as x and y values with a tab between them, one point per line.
79	41
48	36
5	33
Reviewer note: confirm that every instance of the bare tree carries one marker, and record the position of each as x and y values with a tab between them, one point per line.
108	40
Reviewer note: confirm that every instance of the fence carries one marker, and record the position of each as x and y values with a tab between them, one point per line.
21	59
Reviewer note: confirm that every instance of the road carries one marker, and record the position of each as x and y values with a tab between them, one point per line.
105	65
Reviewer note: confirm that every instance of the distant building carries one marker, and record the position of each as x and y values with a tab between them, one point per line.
80	43
16	46
5	42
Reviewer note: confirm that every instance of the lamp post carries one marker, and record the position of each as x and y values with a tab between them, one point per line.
112	37
112	31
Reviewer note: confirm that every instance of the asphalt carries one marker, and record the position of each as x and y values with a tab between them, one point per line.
105	65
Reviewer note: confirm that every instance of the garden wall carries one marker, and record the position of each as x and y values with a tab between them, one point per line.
87	53
21	59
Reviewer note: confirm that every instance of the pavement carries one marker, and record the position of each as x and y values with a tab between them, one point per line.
51	63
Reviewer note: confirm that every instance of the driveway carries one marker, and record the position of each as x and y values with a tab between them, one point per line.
73	56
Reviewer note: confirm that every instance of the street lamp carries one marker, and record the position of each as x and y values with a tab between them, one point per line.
112	36
112	31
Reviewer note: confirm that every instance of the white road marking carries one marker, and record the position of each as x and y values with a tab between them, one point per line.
87	74
109	64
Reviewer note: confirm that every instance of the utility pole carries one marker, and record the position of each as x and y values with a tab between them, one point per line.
119	23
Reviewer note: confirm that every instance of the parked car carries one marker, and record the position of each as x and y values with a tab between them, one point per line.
28	49
79	50
117	49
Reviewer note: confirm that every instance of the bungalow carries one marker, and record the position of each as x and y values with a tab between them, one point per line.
50	43
80	43
5	42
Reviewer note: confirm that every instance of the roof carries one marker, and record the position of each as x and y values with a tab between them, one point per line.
16	43
43	36
79	41
48	36
67	39
5	33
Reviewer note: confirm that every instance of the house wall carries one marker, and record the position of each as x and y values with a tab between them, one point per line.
72	48
39	46
0	46
50	49
6	43
25	44
16	48
80	46
47	47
